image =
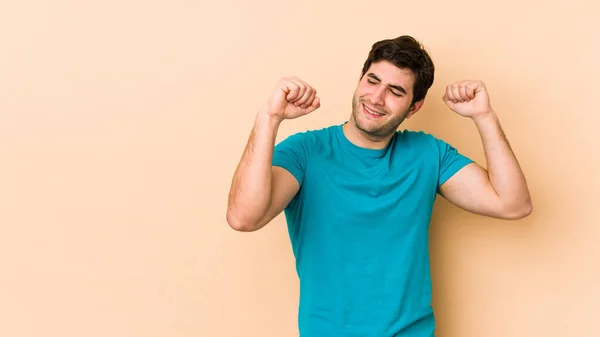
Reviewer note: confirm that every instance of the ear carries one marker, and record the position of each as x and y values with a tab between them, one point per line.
414	108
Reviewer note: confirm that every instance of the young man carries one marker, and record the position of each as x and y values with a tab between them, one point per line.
358	196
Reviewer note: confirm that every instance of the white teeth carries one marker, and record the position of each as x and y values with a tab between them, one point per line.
373	113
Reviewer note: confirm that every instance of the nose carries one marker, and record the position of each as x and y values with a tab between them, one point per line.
378	96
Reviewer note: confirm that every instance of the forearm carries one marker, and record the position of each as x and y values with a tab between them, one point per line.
250	193
504	171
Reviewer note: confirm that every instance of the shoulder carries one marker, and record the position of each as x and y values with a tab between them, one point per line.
311	137
420	138
425	142
324	132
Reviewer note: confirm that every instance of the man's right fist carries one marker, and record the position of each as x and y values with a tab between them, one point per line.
292	98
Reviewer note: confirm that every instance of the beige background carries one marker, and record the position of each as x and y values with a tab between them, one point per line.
121	123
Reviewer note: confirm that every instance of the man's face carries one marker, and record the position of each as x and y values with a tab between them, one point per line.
382	99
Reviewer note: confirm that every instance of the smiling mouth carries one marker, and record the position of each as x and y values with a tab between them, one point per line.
372	113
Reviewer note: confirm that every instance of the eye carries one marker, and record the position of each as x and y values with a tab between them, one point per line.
371	81
395	93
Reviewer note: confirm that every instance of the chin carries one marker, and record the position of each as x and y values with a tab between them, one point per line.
377	130
371	130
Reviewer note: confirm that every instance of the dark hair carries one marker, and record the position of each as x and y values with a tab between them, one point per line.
405	52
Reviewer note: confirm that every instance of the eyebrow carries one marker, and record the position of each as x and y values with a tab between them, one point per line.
397	87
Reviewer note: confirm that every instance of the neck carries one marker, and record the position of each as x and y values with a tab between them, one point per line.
362	139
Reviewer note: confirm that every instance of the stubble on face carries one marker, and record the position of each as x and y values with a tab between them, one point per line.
369	129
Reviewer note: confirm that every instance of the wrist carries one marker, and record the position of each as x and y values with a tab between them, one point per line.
265	119
488	116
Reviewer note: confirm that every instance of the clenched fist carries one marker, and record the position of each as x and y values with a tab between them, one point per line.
292	98
468	98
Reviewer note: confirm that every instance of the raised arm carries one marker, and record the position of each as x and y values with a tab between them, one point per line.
259	191
500	191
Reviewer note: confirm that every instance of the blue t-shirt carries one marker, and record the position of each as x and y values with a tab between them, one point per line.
359	230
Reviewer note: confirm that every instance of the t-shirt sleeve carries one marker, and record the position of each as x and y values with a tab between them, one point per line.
291	154
451	161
